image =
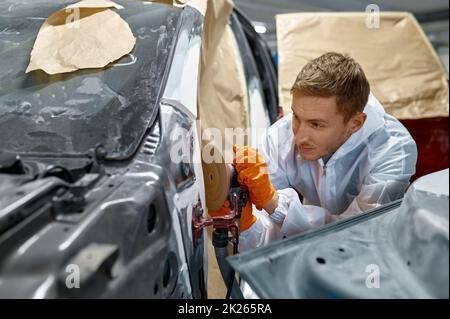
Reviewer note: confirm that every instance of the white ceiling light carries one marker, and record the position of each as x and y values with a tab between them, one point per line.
260	29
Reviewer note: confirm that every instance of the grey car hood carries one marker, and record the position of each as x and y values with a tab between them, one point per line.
71	113
396	251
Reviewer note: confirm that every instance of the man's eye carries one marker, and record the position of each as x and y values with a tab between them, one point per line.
315	125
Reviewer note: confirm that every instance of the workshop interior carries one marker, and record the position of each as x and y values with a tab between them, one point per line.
224	149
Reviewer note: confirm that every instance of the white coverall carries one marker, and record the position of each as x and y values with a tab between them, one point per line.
371	168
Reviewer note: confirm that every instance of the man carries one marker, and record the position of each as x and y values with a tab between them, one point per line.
338	149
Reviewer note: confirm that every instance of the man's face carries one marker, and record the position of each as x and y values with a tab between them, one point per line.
319	127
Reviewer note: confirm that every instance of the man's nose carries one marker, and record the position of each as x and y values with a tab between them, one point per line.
301	135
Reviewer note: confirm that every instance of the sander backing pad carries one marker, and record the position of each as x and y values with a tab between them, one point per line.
217	179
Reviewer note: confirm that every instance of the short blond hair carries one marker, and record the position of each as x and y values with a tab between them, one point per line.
335	74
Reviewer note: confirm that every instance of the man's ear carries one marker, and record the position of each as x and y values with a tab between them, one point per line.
357	121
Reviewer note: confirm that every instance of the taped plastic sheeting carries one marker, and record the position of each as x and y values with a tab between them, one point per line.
403	69
83	35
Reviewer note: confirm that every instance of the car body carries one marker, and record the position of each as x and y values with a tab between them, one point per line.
92	202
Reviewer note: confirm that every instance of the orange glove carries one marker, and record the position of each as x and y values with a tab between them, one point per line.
247	217
253	172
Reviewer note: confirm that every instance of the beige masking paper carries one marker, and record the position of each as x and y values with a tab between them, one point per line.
84	35
222	90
